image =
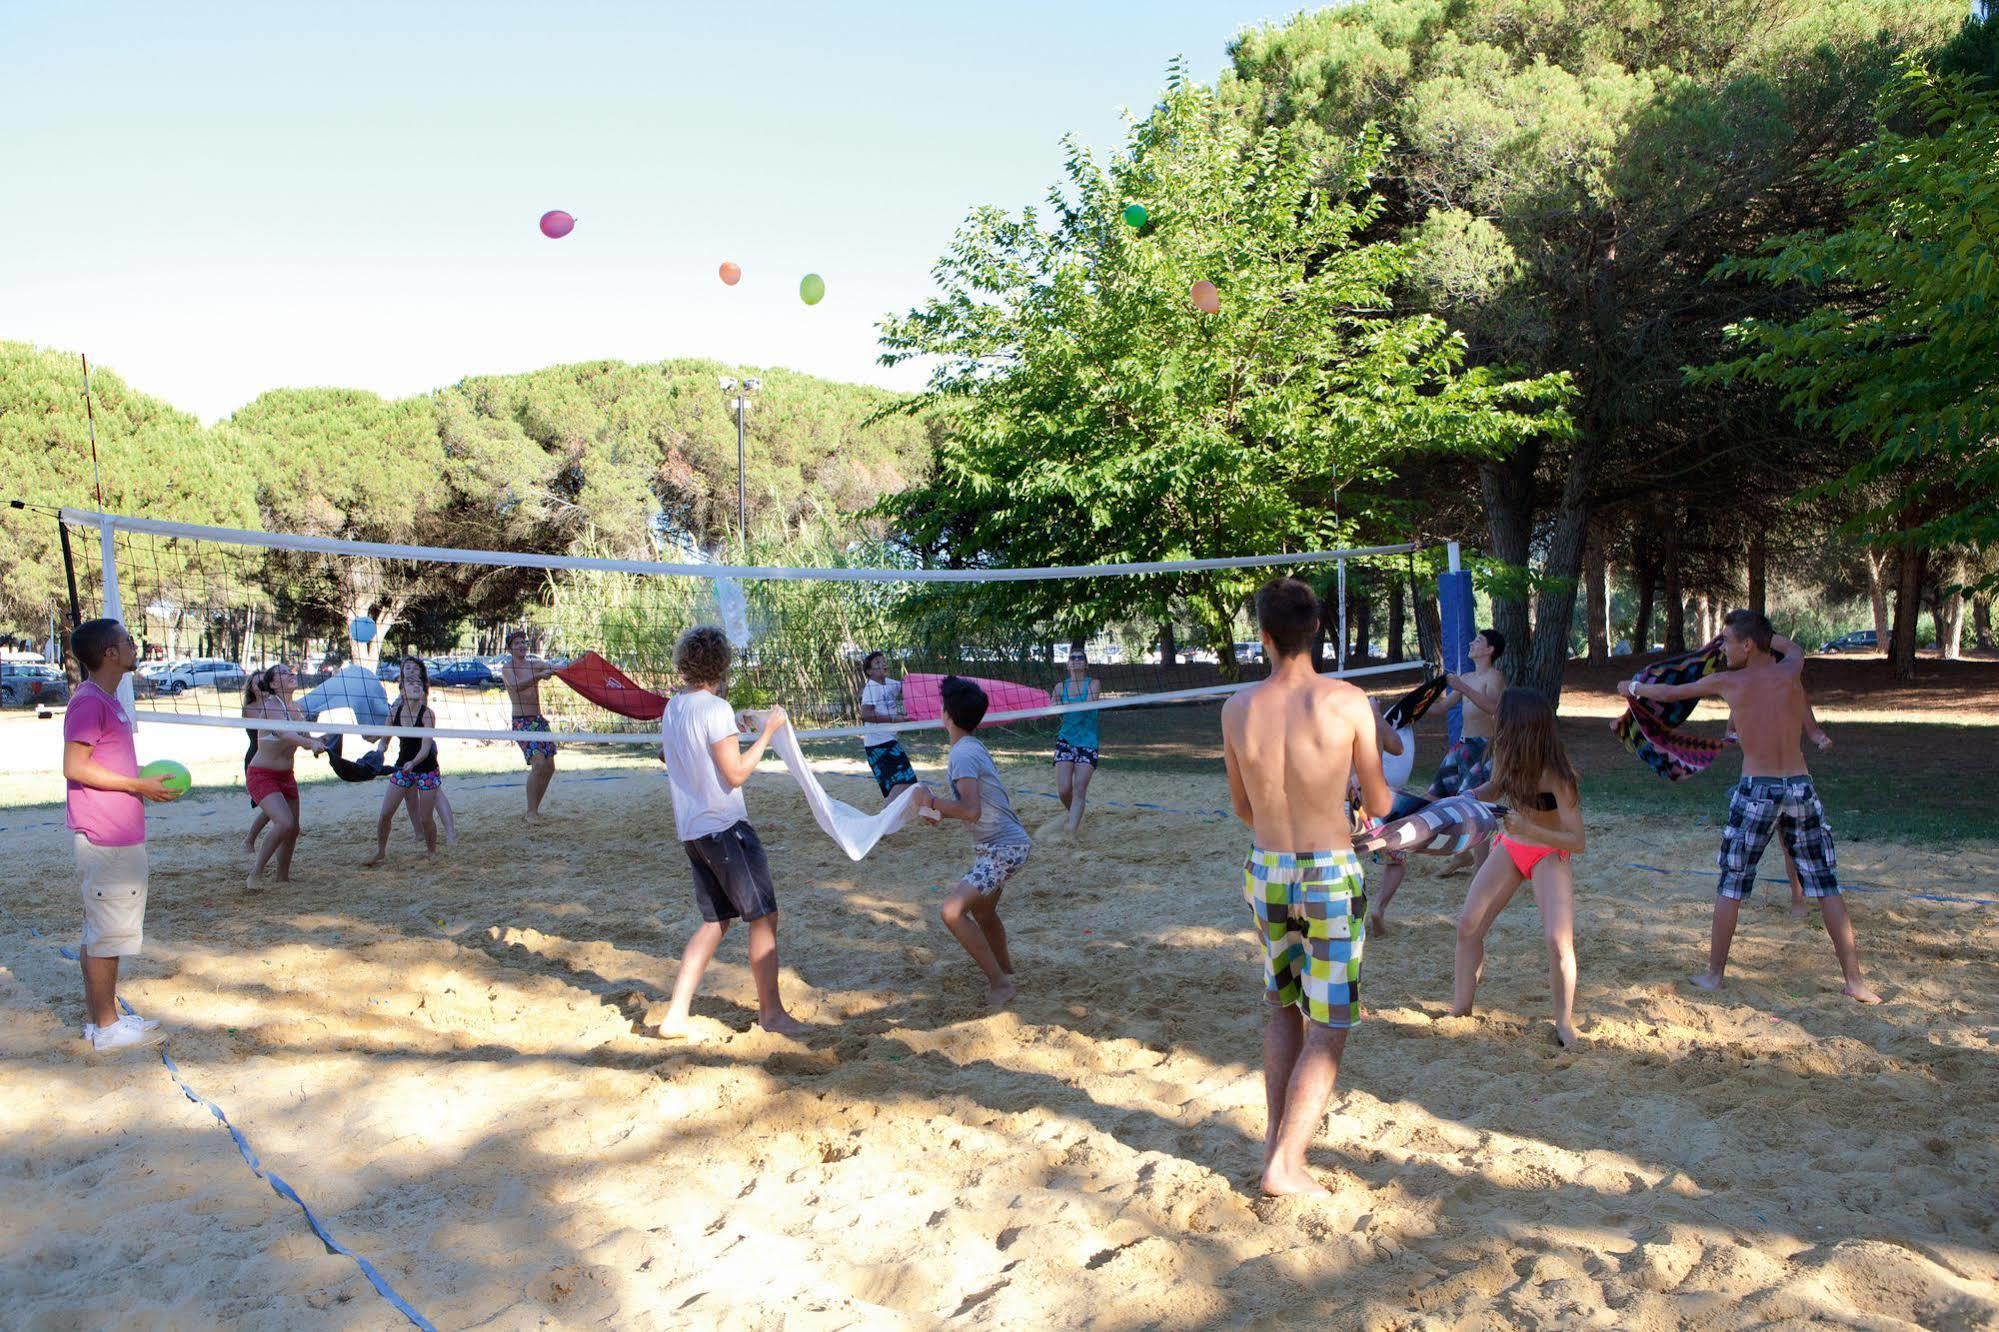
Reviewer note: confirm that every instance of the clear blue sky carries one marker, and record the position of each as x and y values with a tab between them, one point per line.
217	199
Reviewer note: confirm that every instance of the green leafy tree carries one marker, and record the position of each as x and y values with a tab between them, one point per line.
155	463
1901	349
1572	174
1095	415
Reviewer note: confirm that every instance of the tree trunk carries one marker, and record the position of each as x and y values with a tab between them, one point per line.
1596	587
1429	623
1555	604
1981	623
1950	624
1908	606
1508	491
1877	592
1396	626
1360	613
1759	573
1703	617
1645	577
1169	647
1676	596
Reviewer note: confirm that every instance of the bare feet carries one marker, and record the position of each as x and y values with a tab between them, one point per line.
1565	1035
1799	910
1455	866
372	861
999	996
249	846
782	1024
1377	924
1280	1182
1860	992
250	883
1459	1012
1706	981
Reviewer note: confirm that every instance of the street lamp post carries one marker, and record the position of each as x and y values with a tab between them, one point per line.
740	403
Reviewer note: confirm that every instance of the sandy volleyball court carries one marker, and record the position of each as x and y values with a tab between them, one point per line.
442	1060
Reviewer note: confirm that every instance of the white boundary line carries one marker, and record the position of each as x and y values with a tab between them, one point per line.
107	523
651	737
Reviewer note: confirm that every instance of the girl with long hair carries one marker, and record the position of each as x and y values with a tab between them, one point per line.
269	773
415	778
1532	776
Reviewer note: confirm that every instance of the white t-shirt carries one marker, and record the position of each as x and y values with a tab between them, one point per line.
886	699
693	721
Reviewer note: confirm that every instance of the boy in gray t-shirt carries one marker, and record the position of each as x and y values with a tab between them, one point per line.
971	912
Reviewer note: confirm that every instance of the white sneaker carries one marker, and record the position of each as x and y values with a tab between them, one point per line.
90	1031
117	1036
134	1020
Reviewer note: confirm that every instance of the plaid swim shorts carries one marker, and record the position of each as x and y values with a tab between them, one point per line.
1789	807
1466	767
533	749
1311	911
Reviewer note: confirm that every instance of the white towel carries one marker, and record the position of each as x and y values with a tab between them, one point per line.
855	832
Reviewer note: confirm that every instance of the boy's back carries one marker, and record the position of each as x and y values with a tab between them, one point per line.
693	721
1292	743
998	825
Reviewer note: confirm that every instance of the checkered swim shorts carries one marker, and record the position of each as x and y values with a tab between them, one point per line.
1789	807
1466	767
1311	911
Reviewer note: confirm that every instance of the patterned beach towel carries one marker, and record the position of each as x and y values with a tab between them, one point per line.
1435	828
1652	730
1408	709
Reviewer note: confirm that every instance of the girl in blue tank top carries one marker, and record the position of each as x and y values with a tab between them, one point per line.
1076	747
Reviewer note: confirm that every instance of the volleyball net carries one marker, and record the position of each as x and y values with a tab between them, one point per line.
212	606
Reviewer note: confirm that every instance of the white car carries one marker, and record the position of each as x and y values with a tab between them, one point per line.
200	673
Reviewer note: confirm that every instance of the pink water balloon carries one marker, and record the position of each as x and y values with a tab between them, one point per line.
1205	297
555	224
731	274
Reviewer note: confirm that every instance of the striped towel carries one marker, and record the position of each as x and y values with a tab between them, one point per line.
1652	730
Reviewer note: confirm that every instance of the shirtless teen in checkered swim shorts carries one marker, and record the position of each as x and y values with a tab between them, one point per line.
1768	711
1289	743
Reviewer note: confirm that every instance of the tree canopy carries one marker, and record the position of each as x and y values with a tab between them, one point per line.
1096	414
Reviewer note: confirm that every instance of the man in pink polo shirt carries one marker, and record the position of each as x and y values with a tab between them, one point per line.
107	814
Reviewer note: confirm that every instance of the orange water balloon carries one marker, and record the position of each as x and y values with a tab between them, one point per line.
731	274
1205	297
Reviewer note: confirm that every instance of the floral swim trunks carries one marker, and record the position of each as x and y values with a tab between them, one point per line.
534	749
422	781
994	865
1311	911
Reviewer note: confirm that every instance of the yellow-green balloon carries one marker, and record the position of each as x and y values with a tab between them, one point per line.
1134	214
812	289
174	775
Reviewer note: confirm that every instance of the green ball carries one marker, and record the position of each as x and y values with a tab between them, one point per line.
1134	214
812	289
175	775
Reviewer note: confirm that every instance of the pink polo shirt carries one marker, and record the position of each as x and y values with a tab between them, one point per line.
107	818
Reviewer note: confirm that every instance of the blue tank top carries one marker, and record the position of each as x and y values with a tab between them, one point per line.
1078	728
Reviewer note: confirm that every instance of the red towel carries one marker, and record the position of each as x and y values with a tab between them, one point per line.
608	687
922	702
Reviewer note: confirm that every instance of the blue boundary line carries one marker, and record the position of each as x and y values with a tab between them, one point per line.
1844	887
249	1155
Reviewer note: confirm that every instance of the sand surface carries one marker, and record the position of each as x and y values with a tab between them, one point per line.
442	1058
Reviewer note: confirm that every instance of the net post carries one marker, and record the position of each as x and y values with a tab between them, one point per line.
69	572
114	609
1454	622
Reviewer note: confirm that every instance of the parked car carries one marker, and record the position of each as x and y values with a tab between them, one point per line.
200	673
1249	653
32	685
465	673
1860	640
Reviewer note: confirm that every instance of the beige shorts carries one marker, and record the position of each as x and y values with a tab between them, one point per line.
114	897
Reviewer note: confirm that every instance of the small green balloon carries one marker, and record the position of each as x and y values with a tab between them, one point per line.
1134	214
812	289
